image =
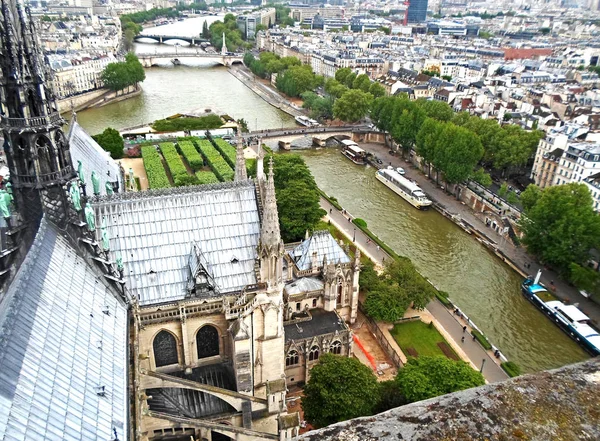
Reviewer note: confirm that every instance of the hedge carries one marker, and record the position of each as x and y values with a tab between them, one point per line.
191	155
176	167
213	158
442	296
511	368
155	171
206	177
333	201
227	151
481	339
378	241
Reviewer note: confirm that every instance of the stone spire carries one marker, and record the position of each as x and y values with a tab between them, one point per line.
240	161
260	170
271	246
224	47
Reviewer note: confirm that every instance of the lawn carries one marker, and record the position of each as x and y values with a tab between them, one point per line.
417	338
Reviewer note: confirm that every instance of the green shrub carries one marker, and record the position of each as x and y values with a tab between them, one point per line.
206	177
481	339
442	296
511	368
157	176
226	150
213	158
178	124
191	155
333	201
175	164
360	222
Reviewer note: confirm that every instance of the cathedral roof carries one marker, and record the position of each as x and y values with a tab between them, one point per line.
154	231
304	284
63	349
322	243
93	158
322	322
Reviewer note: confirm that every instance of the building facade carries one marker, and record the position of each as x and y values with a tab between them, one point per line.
417	11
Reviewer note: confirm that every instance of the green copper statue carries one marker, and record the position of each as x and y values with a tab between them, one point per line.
95	183
4	204
119	262
109	188
75	196
104	230
80	172
9	190
90	217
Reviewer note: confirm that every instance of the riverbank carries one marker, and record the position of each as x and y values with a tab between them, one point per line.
267	93
96	98
474	224
450	326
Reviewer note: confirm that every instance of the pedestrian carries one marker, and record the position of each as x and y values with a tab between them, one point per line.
377	247
330	210
462	340
465	328
349	219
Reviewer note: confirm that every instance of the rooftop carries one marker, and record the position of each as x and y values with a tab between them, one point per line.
322	243
322	322
154	232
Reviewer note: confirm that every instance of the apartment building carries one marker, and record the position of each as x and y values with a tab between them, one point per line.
72	76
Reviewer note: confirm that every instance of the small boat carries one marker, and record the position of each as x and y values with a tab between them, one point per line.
306	121
284	145
353	152
408	190
567	317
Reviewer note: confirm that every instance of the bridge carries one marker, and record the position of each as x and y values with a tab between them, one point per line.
323	133
149	60
164	38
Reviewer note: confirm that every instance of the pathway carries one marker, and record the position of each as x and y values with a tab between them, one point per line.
452	328
517	255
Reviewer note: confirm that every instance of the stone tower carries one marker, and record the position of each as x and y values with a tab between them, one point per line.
240	161
270	248
36	149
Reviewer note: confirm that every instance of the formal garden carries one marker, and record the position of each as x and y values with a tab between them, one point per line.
417	339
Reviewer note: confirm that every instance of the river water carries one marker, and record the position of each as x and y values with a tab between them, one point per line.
482	286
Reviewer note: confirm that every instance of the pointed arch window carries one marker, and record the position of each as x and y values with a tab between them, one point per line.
340	290
165	349
313	354
292	358
336	347
207	341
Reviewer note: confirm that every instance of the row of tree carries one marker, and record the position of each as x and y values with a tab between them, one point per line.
233	37
120	75
342	388
269	63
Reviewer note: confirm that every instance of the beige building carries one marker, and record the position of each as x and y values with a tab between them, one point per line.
77	75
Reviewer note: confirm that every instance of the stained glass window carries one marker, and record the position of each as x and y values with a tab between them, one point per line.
292	358
165	349
207	341
336	348
313	353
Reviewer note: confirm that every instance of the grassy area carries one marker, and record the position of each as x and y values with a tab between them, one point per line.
421	337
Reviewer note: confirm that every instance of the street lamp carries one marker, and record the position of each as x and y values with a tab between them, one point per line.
354	238
482	364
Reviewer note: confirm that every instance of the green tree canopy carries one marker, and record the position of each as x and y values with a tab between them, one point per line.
118	76
457	153
342	74
530	196
339	388
296	80
427	140
297	197
436	109
427	377
377	90
335	88
362	82
111	141
352	106
561	227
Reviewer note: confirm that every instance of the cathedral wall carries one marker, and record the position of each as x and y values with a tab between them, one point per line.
185	334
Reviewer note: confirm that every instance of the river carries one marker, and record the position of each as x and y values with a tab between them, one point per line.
482	286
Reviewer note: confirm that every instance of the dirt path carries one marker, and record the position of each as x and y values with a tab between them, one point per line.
137	164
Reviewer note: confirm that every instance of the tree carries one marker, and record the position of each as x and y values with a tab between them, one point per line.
377	90
390	294
436	109
111	141
512	198
362	82
335	88
585	278
349	81
297	80
457	152
128	36
205	31
352	106
339	388
544	31
530	196
118	76
297	197
427	139
427	377
407	120
342	74
243	125
389	396
562	226
503	190
480	176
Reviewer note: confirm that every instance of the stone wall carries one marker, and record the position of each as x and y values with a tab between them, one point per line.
96	98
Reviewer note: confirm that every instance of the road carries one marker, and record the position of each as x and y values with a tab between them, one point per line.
451	323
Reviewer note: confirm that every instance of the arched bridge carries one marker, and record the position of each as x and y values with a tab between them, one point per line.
164	38
149	60
323	133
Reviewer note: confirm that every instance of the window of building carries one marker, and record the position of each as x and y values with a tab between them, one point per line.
340	289
298	306
292	358
165	349
313	354
207	341
314	303
336	348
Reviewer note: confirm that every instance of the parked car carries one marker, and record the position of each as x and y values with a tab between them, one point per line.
400	170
